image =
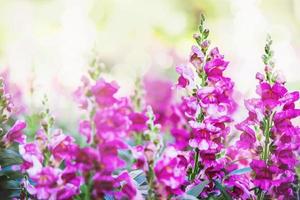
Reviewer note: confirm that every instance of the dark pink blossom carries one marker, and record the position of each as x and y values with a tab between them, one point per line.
104	92
15	133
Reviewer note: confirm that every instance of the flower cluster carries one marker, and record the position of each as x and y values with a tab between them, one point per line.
148	146
110	123
203	116
47	161
269	133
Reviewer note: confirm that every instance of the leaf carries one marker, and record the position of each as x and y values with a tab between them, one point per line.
8	173
197	189
9	157
187	197
139	176
33	124
10	185
108	197
240	171
223	191
126	155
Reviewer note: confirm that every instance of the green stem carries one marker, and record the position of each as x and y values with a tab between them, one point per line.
267	140
196	166
266	149
261	195
150	179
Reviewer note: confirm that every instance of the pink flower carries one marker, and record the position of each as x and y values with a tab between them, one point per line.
128	189
196	57
32	156
15	134
111	124
87	158
62	147
159	96
103	183
46	183
186	76
109	155
215	67
104	92
138	122
264	174
247	138
170	171
270	95
138	153
85	129
181	137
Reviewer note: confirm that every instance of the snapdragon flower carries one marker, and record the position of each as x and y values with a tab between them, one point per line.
269	133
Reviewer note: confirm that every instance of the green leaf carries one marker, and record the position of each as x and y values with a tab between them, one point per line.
139	176
220	187
126	155
9	157
10	174
197	189
187	197
10	185
33	124
240	171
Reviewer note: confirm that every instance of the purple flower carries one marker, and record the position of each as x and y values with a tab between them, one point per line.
102	183
196	57
15	133
270	95
85	129
138	121
247	137
104	92
32	157
46	183
62	147
264	174
215	67
109	155
159	96
170	171
87	158
111	124
186	76
181	137
128	188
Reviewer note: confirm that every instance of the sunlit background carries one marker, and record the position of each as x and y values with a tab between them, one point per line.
47	45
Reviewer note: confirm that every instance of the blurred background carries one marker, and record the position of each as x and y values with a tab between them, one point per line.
47	45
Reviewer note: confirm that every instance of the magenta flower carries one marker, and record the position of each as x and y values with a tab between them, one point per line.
138	122
170	171
87	158
158	94
15	133
104	92
62	147
214	68
268	132
111	124
196	57
109	155
138	153
186	76
128	188
264	174
46	183
85	129
32	156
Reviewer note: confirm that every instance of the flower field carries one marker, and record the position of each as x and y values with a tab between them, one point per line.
153	144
